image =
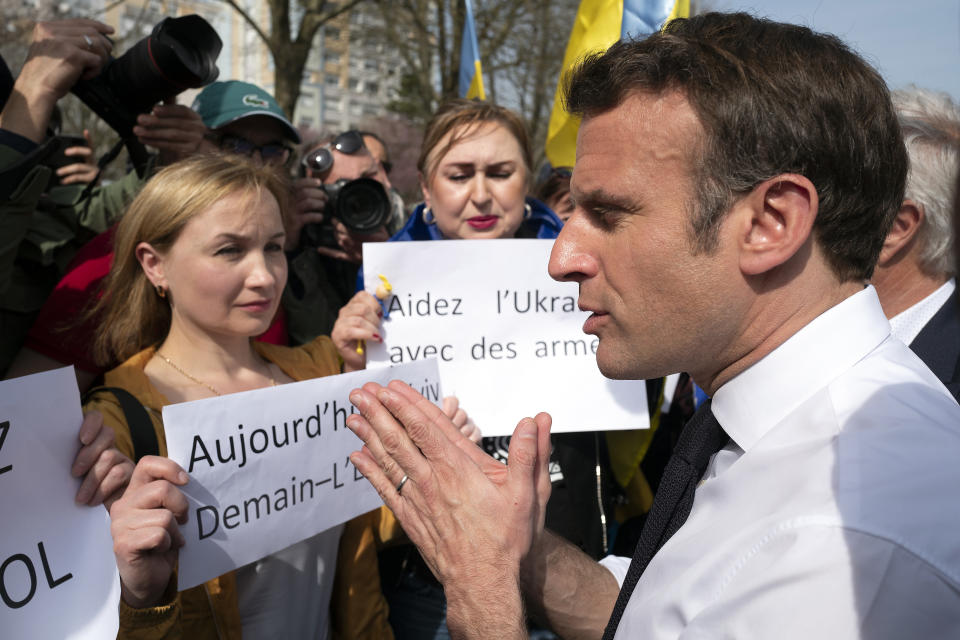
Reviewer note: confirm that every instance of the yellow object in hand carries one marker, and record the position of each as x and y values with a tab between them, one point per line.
384	288
382	292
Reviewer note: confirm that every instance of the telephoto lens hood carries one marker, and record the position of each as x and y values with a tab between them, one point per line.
179	54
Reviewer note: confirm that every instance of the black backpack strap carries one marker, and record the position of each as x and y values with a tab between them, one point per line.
141	427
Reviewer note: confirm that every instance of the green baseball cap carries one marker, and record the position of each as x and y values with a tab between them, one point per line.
221	103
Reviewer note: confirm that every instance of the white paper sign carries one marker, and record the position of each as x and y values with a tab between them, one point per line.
508	338
58	576
271	467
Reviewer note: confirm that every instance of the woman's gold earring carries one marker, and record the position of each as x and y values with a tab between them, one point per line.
161	292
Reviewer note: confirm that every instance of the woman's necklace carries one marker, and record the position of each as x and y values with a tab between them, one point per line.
173	364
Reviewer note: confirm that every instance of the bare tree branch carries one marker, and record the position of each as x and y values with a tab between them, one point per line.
314	18
249	20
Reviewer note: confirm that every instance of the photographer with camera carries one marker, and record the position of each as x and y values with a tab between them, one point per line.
341	202
43	225
378	148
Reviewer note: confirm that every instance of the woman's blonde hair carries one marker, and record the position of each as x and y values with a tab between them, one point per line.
132	314
464	117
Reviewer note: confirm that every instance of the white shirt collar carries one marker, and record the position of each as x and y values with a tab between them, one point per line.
907	324
758	398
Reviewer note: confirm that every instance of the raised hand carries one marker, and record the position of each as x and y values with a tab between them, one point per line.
309	201
473	518
175	130
61	52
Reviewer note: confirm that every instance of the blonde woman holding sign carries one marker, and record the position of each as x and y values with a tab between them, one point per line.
198	272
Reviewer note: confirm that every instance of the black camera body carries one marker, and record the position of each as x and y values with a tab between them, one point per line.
362	205
179	54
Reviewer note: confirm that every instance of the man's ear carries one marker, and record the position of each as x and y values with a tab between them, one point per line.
905	226
775	221
151	261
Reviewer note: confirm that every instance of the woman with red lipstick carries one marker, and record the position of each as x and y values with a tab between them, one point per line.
475	172
198	271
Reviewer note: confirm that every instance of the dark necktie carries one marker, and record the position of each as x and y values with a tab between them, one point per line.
700	439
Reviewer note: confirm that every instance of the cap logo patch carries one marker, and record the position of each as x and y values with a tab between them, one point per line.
253	100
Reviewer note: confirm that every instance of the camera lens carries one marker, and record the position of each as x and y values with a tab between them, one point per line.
363	205
179	54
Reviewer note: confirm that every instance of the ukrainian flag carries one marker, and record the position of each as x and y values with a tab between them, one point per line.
600	23
471	78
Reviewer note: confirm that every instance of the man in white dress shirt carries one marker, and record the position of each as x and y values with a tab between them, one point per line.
735	180
915	273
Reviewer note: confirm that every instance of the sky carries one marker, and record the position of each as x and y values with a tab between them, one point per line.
908	41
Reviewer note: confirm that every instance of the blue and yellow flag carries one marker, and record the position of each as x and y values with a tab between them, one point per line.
600	23
471	78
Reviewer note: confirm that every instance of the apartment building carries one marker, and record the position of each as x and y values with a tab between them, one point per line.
347	78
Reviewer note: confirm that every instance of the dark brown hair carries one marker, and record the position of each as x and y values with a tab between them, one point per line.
772	98
464	116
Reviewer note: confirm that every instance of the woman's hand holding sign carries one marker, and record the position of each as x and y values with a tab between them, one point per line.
473	518
357	322
144	525
105	471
